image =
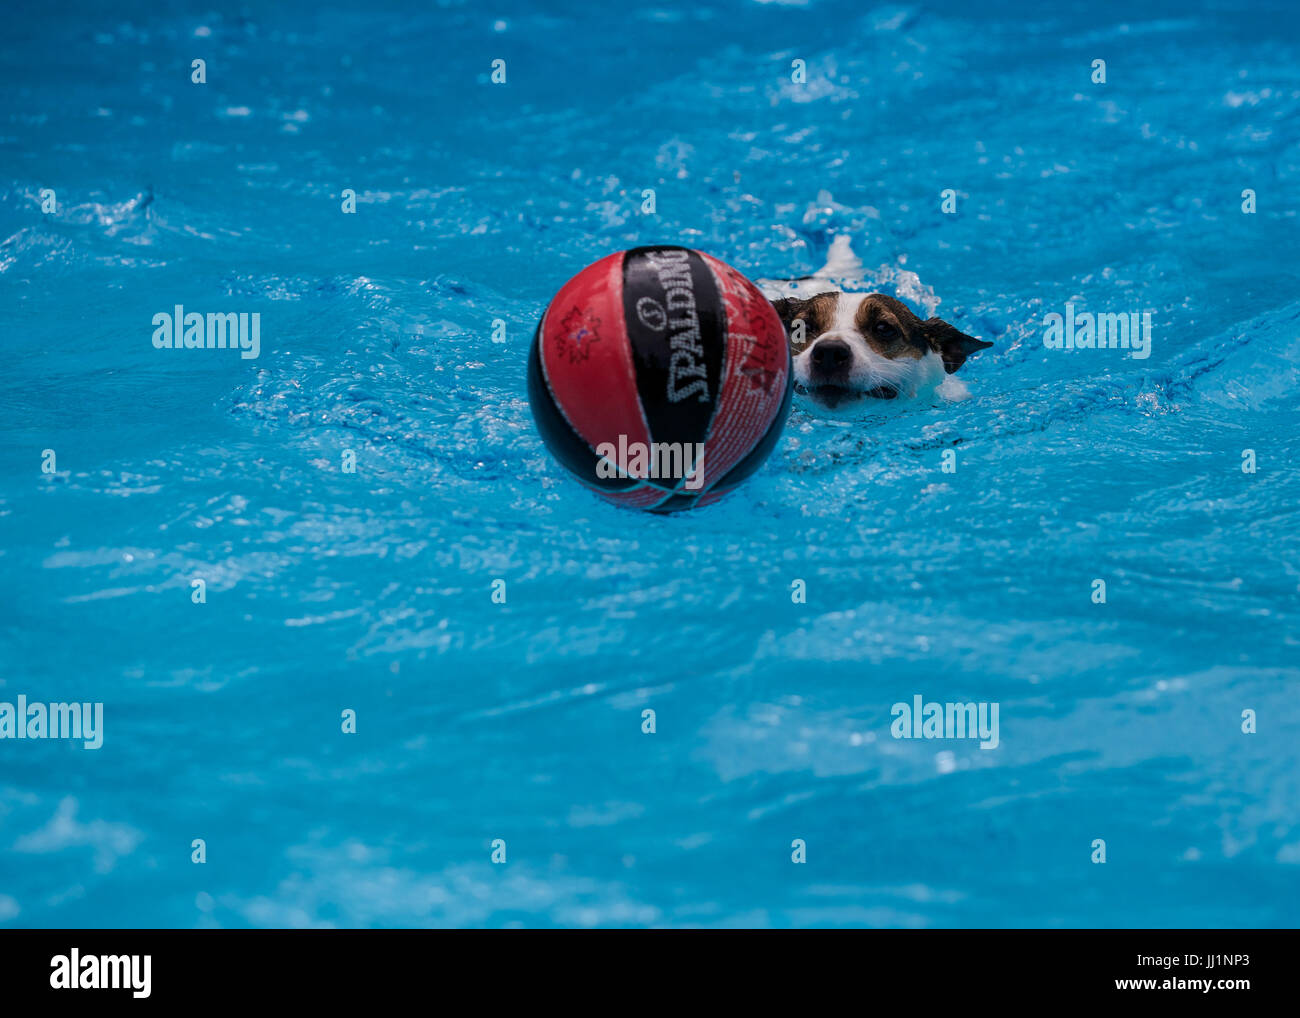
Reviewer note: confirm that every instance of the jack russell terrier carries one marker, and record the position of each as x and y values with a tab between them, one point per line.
850	347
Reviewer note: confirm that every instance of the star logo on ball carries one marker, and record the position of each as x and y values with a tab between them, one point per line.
579	329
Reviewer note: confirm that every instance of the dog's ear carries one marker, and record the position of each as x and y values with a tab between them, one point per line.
953	345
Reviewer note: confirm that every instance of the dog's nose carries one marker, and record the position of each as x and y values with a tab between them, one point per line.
830	355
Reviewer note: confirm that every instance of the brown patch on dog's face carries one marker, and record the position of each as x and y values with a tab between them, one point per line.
889	328
817	314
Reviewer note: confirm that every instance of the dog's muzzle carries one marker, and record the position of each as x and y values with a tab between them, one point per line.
829	364
830	360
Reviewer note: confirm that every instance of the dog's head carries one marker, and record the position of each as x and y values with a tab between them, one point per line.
852	346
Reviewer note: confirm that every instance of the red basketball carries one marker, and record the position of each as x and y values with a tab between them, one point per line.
660	378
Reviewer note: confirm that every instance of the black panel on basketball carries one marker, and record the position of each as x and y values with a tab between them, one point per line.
676	326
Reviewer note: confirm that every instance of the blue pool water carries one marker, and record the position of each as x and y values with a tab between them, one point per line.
329	591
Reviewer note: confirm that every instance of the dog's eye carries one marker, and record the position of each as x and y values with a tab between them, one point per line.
884	330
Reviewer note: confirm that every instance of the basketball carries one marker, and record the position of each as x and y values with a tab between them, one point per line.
660	378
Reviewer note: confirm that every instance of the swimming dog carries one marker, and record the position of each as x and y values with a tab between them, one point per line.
852	347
